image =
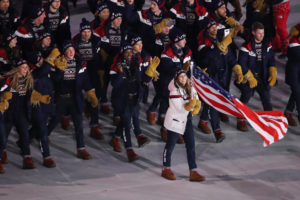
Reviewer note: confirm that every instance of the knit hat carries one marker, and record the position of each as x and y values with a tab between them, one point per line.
160	3
50	1
209	24
101	6
18	62
125	46
67	44
217	4
85	24
36	11
178	73
115	14
176	35
44	35
135	39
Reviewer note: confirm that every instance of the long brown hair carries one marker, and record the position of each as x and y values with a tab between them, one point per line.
14	75
187	87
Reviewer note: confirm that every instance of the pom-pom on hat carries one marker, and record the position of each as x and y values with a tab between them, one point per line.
85	24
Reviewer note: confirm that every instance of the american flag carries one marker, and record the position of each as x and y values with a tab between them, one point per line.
270	125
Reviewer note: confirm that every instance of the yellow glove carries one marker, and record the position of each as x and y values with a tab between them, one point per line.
61	63
191	104
186	66
150	71
223	45
258	4
156	75
91	98
294	31
159	27
231	22
272	76
7	95
239	28
104	55
52	56
237	69
4	106
37	97
197	107
101	77
204	70
251	80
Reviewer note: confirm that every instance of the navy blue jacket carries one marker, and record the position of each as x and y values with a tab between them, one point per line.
82	81
247	58
292	72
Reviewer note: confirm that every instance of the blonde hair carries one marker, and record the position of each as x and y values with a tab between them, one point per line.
14	75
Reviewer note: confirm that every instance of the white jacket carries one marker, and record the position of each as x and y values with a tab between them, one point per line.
176	116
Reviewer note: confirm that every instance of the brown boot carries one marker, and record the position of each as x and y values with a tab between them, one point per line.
83	154
161	120
219	135
223	117
2	171
96	134
4	159
131	155
180	140
116	121
65	123
28	163
290	118
115	143
143	140
164	134
49	163
168	174
105	109
203	126
242	125
195	176
151	118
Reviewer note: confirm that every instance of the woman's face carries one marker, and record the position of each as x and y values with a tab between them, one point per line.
182	79
137	47
13	43
46	42
23	70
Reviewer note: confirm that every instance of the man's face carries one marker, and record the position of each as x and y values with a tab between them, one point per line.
104	14
86	34
55	4
154	7
166	30
181	43
117	22
128	55
70	53
39	20
258	35
221	12
191	2
137	47
4	5
212	31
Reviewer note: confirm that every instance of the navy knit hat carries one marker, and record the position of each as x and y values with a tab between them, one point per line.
160	3
216	4
115	14
101	6
50	1
176	35
85	24
36	11
126	46
209	24
135	39
44	35
18	62
181	71
67	44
